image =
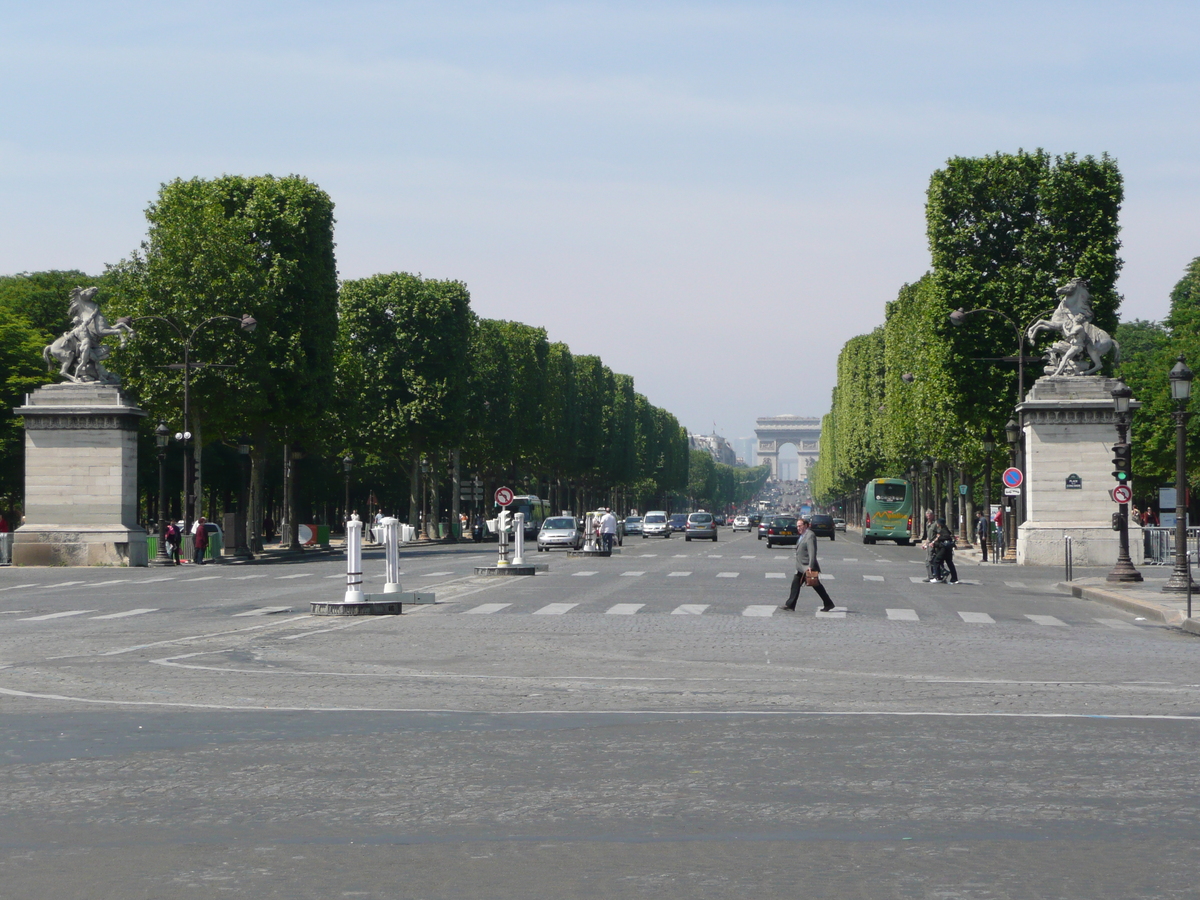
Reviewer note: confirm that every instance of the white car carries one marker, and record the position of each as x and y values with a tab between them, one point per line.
741	523
656	524
560	531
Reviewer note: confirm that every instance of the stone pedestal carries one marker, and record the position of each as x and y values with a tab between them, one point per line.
1070	428
80	478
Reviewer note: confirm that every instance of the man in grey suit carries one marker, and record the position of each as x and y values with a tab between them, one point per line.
806	559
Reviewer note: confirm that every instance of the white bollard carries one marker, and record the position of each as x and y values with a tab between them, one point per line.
589	533
519	539
502	537
391	548
354	529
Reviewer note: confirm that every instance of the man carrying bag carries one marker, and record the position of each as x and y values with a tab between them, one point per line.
807	570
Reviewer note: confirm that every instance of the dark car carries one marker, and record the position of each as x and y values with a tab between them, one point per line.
679	522
782	530
822	525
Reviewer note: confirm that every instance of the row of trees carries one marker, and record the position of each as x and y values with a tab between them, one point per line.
395	370
1005	231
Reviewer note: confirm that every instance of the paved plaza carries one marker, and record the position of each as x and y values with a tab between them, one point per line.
648	725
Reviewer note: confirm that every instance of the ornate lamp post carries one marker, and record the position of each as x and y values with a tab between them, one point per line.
1123	571
347	465
1181	392
1012	433
162	436
989	444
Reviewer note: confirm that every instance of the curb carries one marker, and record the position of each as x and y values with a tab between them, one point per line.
1132	604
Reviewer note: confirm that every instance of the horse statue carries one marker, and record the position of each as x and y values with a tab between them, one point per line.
1073	320
80	350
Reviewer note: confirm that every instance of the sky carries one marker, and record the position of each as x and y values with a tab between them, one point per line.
712	197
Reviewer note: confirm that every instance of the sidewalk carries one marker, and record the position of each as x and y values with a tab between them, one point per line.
1144	599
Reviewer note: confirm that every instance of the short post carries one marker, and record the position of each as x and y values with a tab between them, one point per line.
502	537
589	533
519	539
354	591
391	554
1068	558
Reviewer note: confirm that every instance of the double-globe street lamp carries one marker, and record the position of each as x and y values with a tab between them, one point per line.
247	323
162	436
1123	571
1181	392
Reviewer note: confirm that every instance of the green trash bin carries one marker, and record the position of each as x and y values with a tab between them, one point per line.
215	542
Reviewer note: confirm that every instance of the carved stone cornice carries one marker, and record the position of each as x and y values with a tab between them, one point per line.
1082	415
58	421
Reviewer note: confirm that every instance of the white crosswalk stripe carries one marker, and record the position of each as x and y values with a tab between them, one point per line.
647	556
903	615
689	609
127	613
1016	584
775	575
581	574
1046	620
486	609
297	575
57	615
849	559
434	574
977	618
632	574
678	574
918	579
264	611
872	578
1117	623
835	613
624	609
749	557
555	609
728	574
763	611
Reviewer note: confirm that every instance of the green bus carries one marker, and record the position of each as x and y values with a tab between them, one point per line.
888	511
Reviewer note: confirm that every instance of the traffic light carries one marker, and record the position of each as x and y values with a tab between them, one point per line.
1122	462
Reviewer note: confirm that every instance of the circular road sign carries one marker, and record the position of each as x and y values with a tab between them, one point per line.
1012	478
504	496
1122	493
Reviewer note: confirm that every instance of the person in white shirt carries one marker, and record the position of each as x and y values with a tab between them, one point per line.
608	530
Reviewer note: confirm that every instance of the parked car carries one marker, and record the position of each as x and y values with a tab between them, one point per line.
782	530
763	524
822	525
560	531
633	524
679	522
701	525
741	523
839	524
655	524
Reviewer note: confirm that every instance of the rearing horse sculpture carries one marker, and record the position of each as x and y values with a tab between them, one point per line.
1073	320
80	350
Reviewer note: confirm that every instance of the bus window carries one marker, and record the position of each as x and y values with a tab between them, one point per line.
890	491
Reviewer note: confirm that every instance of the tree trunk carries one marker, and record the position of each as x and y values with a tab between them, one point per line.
414	490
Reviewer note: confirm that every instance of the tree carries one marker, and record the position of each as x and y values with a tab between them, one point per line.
41	298
21	371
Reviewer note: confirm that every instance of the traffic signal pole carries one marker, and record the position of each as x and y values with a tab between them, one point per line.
1123	571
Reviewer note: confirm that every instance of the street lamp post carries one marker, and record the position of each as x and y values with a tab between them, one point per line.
162	435
989	444
347	465
1123	571
241	531
1181	392
1012	432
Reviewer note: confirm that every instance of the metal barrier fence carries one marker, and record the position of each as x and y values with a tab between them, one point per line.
1160	545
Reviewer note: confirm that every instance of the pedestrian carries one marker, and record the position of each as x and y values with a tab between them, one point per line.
174	537
981	533
269	529
4	528
608	531
998	521
928	542
200	541
943	555
807	569
478	530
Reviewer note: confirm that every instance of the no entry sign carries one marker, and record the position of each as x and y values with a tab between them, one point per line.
504	496
1122	493
1012	478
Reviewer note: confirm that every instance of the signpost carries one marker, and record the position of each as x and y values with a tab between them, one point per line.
1012	478
1122	493
504	496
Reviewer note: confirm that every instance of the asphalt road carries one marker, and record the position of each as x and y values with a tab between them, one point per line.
642	726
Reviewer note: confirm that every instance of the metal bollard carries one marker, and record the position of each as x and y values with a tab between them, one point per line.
391	546
1070	561
519	539
354	528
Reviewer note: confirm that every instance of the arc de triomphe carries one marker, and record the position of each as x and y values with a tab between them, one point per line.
773	432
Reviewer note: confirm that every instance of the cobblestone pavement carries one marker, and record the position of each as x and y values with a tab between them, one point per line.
645	725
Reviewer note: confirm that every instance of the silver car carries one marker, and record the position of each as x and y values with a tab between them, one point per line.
656	524
700	525
560	531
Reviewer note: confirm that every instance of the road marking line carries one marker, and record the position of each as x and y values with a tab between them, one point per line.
678	574
832	614
918	579
17	587
1117	623
263	575
623	609
62	584
486	609
1016	584
339	575
434	574
107	583
208	578
297	575
849	559
1046	620
128	612
827	577
872	578
647	556
763	611
632	574
714	556
975	618
903	615
581	574
555	609
752	556
680	556
154	580
264	611
57	615
728	574
776	574
690	609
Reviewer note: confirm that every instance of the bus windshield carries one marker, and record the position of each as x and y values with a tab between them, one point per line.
890	491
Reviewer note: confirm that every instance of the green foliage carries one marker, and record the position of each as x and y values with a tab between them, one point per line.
41	298
21	370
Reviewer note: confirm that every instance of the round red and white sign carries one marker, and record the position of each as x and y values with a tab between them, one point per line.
1122	493
504	496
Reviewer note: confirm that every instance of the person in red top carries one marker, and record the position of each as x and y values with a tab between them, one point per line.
201	543
4	529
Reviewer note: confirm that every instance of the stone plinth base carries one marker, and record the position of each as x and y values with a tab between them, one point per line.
511	570
585	554
79	545
1044	544
364	608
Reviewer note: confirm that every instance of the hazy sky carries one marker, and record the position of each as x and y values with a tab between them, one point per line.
712	197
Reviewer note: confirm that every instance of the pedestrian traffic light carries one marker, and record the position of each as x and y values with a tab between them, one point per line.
1122	462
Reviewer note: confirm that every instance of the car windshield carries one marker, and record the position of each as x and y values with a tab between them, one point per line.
822	520
632	520
655	520
700	518
783	522
561	522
